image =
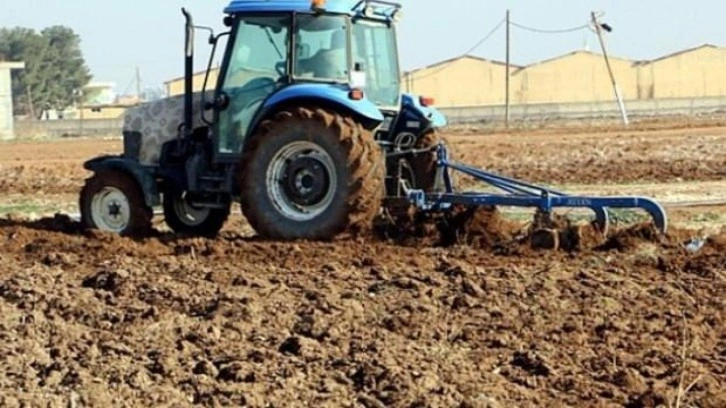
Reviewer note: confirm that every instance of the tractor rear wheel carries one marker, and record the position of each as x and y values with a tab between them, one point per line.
113	201
311	174
187	219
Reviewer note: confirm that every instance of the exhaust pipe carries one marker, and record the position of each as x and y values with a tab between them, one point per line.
188	72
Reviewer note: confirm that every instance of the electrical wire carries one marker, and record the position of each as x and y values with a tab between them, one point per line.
546	31
470	50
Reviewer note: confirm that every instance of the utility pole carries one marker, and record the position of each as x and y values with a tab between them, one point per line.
506	81
598	28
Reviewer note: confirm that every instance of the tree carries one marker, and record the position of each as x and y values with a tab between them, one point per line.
54	68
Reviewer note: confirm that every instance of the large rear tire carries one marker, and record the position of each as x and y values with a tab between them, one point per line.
113	201
311	174
186	219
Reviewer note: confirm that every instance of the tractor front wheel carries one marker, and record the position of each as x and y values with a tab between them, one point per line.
183	217
311	174
112	201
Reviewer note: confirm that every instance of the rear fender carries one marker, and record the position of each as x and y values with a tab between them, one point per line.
326	96
416	118
142	174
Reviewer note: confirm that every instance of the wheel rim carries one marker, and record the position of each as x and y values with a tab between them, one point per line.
189	214
301	181
110	210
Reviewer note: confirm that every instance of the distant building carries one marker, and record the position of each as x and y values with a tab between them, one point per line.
580	76
695	72
463	81
99	93
576	77
6	99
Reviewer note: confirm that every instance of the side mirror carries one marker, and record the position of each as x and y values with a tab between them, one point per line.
221	101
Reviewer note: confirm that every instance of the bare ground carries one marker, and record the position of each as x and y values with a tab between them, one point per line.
91	319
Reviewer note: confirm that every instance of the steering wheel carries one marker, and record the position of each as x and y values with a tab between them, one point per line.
242	97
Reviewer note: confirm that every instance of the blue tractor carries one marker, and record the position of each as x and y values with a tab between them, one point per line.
306	106
306	128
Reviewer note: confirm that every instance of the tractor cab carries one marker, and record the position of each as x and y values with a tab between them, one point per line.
335	52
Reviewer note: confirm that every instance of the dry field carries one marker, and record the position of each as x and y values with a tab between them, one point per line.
91	319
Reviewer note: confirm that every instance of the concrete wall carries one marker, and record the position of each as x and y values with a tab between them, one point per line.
69	128
544	112
103	112
6	99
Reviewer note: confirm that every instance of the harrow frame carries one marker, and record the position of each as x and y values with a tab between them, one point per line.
520	194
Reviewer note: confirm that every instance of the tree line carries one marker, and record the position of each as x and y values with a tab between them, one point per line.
55	69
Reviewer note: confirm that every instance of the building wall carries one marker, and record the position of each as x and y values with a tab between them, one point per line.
176	86
461	82
698	73
102	112
6	99
578	77
6	107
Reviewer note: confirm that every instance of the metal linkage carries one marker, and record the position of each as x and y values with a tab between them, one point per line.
521	194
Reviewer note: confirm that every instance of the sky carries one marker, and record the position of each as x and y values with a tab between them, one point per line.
119	35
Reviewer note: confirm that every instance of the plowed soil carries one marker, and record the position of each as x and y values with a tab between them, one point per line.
470	315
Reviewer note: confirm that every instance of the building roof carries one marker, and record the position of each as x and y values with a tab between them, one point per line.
459	58
12	65
571	54
198	73
678	53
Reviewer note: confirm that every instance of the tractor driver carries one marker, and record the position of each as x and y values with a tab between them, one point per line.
330	63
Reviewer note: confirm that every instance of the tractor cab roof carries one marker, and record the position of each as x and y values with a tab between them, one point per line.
370	8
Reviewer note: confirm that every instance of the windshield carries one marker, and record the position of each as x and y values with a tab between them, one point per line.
321	50
322	53
374	51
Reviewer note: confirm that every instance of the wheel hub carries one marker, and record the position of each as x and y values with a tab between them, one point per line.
114	209
111	210
301	181
306	181
187	212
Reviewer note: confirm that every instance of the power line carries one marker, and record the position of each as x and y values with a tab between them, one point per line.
486	37
547	31
470	50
